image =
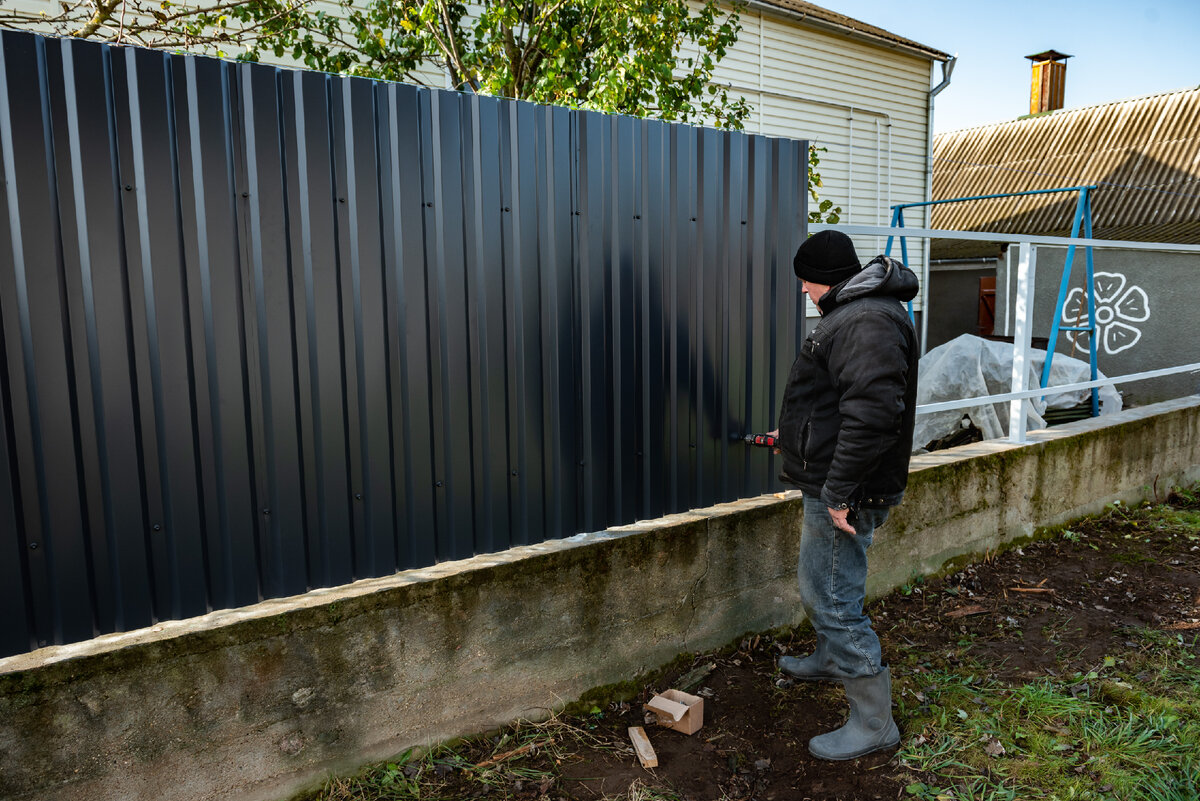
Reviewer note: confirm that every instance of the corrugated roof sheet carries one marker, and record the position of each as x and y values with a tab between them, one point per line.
1143	154
803	11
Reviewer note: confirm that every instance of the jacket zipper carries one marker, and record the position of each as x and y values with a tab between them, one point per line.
804	443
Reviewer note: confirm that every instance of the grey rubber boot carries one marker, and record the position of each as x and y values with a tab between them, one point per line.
870	727
815	667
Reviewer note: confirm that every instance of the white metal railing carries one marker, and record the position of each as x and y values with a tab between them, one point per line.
1023	313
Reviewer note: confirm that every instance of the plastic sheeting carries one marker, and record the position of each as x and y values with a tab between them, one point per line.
970	367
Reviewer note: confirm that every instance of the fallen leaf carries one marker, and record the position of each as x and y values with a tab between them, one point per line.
993	748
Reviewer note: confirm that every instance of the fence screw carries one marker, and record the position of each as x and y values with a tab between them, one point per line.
128	188
341	200
157	527
266	511
506	208
430	205
245	194
514	472
437	484
33	546
358	496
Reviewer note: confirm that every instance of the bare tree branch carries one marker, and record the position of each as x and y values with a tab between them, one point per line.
103	13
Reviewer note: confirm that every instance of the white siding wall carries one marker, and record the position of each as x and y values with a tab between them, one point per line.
866	104
32	8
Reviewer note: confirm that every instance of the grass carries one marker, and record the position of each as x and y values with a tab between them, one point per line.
1128	729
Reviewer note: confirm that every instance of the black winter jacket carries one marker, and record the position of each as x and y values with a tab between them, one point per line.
846	425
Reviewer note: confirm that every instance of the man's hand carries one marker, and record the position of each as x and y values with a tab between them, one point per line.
775	434
839	519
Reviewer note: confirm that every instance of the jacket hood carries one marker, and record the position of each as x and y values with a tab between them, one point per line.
882	277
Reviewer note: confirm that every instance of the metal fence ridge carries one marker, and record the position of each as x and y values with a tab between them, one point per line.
266	330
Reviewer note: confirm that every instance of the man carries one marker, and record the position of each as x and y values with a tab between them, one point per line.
845	432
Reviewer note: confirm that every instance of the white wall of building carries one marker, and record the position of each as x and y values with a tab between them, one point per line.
866	104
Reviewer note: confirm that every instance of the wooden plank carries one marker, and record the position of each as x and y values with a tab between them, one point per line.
641	744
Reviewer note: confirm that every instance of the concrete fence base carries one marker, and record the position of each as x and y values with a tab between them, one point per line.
260	702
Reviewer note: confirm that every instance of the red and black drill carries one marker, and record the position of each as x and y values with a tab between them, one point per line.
761	440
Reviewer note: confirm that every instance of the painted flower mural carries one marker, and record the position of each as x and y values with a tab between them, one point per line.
1117	306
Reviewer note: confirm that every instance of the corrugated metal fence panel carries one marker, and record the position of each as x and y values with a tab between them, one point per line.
264	330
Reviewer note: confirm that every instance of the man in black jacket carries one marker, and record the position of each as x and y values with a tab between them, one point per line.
845	432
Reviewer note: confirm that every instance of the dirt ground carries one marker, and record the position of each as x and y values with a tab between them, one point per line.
1046	608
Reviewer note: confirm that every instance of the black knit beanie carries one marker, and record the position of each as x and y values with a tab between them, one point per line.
826	257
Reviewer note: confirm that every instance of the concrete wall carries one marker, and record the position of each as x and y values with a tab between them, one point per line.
260	702
1154	294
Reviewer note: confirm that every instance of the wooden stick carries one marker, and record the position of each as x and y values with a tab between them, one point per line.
1032	589
641	744
501	757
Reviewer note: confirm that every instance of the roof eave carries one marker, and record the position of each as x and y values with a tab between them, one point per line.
851	33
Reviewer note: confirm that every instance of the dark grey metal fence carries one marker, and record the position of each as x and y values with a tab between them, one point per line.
264	330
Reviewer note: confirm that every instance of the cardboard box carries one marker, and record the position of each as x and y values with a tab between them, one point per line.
678	710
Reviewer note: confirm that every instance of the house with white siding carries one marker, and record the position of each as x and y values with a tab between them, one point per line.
862	93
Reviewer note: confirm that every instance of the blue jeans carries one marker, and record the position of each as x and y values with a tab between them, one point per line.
833	579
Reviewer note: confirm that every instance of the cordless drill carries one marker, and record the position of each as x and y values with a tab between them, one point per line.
761	440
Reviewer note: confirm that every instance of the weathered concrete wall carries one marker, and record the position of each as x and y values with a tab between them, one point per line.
260	702
1146	308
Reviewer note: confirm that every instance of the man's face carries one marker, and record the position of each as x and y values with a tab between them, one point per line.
815	291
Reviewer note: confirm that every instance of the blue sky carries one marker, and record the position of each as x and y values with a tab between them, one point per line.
1120	49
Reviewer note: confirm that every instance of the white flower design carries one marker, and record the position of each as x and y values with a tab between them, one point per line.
1116	307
